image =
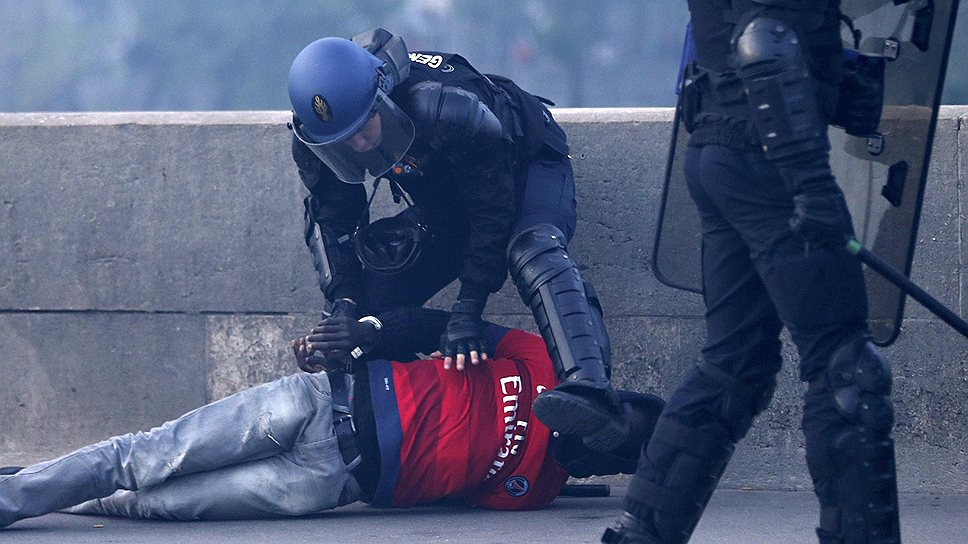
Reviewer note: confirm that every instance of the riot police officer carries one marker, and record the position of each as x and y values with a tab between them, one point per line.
767	80
486	169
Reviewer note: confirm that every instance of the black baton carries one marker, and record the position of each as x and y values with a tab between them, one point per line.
890	274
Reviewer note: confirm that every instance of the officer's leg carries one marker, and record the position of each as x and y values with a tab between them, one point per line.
848	414
820	296
565	308
717	402
257	423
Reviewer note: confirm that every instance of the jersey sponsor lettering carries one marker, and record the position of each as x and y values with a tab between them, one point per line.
496	455
514	428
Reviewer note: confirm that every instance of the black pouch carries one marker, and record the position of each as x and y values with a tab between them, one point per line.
535	128
861	99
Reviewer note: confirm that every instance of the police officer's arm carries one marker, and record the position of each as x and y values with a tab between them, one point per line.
465	131
461	129
333	210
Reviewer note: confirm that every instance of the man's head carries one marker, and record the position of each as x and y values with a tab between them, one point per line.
580	461
342	111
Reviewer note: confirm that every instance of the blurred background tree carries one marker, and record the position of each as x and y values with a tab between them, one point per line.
115	55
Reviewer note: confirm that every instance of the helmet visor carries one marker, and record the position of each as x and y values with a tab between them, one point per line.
370	151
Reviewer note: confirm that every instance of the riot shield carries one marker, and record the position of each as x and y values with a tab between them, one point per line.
882	176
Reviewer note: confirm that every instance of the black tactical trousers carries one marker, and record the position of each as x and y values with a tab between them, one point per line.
758	276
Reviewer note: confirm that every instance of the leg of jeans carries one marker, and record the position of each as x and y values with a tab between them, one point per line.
257	423
308	479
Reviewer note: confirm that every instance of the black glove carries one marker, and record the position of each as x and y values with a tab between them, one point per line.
464	333
822	217
861	95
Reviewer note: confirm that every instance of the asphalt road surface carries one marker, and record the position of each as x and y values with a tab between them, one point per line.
742	517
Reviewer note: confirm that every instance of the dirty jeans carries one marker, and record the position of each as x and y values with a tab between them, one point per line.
267	451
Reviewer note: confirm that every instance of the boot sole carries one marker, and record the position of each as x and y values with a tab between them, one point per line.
570	414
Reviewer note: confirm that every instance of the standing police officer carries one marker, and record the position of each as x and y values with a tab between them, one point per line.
492	190
767	80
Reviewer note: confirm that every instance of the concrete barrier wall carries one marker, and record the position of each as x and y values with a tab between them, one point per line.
153	262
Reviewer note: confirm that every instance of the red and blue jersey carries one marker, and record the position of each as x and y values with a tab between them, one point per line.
466	434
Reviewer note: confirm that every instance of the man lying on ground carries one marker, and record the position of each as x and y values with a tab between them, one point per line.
370	428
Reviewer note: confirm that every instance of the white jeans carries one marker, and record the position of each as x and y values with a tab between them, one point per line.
267	451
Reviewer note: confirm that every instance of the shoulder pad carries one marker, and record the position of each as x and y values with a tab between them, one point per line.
451	115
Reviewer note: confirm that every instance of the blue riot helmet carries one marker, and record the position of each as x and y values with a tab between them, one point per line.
342	111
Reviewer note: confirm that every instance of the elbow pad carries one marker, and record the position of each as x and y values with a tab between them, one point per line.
453	117
781	92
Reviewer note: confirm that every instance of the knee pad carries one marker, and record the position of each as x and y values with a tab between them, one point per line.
564	307
852	464
859	380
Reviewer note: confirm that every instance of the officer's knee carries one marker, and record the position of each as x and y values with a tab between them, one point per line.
852	461
535	255
856	386
859	381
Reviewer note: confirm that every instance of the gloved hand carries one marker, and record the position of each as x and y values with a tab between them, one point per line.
463	338
861	95
822	218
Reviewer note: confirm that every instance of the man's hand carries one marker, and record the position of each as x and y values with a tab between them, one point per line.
336	341
340	338
305	361
463	338
822	218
